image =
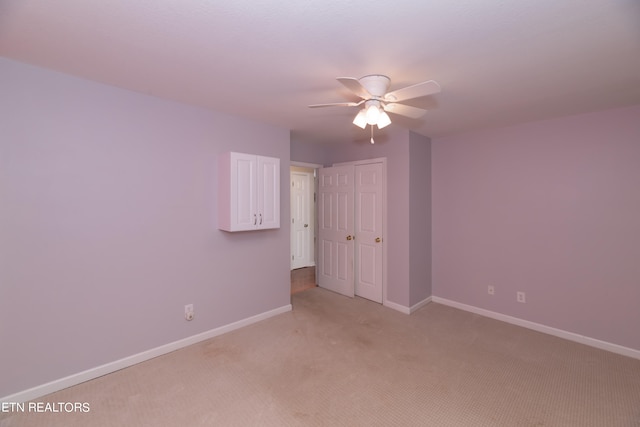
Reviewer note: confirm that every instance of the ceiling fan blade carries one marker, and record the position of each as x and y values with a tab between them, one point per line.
354	86
404	110
337	104
415	91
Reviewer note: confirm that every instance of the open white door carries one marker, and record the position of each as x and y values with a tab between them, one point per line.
336	229
301	220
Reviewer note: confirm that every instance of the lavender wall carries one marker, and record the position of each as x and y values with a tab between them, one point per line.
107	225
549	208
419	218
309	153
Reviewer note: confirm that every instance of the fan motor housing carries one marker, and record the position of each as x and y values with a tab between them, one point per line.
376	84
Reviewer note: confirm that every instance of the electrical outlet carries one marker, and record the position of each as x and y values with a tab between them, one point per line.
188	312
491	290
521	297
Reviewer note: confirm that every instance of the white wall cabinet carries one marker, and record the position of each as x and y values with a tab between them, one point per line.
248	192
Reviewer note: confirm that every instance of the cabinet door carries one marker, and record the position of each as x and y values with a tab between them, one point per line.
237	201
244	201
268	193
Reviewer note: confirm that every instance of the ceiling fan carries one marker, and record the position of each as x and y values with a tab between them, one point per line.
377	101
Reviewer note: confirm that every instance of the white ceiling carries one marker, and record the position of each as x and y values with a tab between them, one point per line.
499	62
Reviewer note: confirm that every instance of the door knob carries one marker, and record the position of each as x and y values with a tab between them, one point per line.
306	225
349	237
378	240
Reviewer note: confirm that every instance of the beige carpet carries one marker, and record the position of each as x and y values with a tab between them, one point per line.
335	361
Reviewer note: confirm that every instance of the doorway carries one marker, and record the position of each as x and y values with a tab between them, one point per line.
302	217
303	226
303	279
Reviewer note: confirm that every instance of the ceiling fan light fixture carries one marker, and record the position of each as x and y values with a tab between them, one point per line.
373	114
373	91
383	120
361	119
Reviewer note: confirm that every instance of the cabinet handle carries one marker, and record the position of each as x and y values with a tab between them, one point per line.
378	240
349	237
255	219
260	219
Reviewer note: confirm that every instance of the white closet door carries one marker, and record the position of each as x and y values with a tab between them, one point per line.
368	231
336	229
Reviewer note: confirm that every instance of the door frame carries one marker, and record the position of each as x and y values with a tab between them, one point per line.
385	270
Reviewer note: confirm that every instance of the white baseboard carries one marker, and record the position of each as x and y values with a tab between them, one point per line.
405	309
592	342
397	307
80	377
420	304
